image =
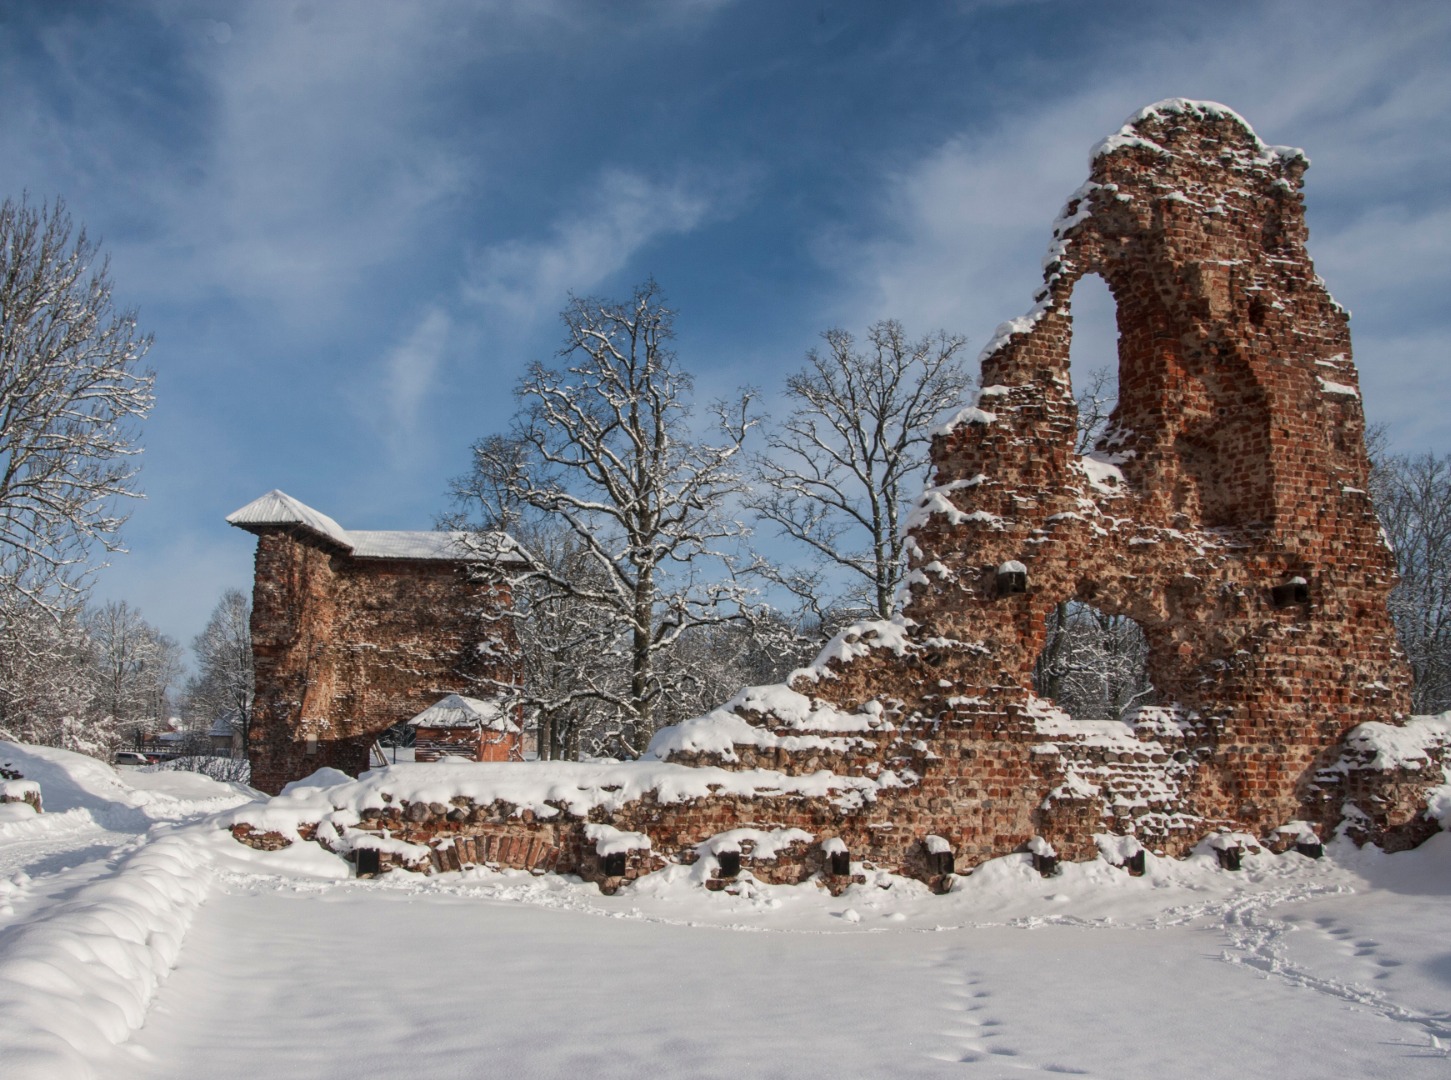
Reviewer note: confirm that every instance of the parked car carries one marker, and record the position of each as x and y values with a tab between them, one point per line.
131	757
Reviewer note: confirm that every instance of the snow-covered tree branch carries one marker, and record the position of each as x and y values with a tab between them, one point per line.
841	465
72	389
625	506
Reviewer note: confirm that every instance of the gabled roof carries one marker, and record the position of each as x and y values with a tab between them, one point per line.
457	711
280	508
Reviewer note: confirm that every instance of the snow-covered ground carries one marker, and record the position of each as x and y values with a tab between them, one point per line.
137	940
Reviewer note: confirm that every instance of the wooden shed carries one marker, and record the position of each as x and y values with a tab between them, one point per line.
467	728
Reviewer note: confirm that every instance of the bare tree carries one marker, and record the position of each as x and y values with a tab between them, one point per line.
1096	398
1094	665
1413	496
573	673
47	680
72	387
223	683
603	448
854	446
136	668
712	663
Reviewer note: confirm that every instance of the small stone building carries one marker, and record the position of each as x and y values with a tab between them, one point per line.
355	631
466	728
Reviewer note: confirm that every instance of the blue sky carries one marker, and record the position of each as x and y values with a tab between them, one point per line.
351	225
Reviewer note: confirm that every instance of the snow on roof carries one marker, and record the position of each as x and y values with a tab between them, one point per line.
371	544
280	508
457	711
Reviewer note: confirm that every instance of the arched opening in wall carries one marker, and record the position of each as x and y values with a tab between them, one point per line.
1093	358
1094	666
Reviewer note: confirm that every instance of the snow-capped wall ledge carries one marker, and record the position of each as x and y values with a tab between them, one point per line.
1129	137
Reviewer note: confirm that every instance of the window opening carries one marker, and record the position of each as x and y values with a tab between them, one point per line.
1094	666
1093	358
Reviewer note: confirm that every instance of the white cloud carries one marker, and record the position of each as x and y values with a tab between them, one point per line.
964	228
404	379
316	169
621	212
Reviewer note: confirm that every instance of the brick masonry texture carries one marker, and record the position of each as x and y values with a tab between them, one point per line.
1225	512
345	647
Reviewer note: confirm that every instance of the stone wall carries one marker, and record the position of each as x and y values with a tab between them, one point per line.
345	647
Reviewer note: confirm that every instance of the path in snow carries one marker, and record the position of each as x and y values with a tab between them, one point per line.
96	895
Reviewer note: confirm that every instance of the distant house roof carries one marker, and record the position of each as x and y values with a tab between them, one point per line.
221	727
279	508
457	711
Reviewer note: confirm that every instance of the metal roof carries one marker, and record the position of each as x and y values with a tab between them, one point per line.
279	508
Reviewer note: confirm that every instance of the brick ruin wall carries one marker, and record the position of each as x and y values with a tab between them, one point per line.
1225	512
345	647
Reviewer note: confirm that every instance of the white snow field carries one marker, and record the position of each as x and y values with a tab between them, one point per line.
138	940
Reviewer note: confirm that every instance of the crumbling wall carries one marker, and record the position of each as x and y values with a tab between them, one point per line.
1224	511
1234	465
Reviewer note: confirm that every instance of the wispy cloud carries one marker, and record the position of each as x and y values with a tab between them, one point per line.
320	161
620	213
403	379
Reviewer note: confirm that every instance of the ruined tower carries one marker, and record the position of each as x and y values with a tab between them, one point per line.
354	631
1226	508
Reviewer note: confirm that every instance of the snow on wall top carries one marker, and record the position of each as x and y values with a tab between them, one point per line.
542	787
457	711
1129	135
279	508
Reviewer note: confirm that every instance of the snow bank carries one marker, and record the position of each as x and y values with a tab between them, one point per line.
722	729
79	978
1407	746
133	802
